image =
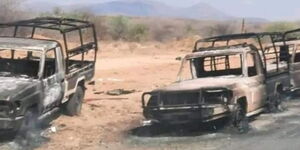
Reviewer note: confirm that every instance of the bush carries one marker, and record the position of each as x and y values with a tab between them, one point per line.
75	14
138	32
79	14
119	27
280	27
102	28
189	30
223	28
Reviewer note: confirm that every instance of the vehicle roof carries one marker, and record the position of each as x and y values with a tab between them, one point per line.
27	44
228	51
239	36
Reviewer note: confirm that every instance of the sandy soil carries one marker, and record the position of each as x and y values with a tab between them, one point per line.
107	122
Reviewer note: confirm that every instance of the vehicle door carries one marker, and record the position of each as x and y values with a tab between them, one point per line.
256	93
295	66
53	79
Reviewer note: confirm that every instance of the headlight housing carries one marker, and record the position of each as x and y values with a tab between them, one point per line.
7	109
150	100
217	96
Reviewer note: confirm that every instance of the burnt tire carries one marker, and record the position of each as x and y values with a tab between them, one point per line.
74	105
274	105
29	123
240	120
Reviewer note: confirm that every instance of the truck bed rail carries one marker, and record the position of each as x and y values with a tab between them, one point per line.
64	26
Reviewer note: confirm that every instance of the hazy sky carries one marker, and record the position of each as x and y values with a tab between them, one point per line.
269	9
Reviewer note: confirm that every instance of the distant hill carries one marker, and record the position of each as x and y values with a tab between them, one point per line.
39	5
154	9
132	8
136	8
203	11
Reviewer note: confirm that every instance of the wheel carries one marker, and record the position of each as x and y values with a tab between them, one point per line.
240	120
275	104
74	105
30	122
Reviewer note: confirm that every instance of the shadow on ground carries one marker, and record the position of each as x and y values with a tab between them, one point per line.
35	138
184	130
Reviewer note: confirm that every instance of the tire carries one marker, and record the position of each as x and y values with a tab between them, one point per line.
274	105
74	105
30	122
240	120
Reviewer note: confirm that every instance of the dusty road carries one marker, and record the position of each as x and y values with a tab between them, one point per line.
114	122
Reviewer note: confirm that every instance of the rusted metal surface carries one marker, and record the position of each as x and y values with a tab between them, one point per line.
210	95
26	44
41	82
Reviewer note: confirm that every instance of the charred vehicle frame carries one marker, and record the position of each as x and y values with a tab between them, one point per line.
291	45
223	92
60	72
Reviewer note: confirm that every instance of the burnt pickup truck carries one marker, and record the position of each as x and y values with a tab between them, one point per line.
234	81
38	77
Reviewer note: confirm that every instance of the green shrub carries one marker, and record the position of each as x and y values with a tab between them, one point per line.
119	27
138	32
75	14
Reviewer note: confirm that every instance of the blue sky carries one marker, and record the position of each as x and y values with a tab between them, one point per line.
268	9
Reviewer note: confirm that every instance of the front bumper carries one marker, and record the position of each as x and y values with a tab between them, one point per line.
8	123
186	114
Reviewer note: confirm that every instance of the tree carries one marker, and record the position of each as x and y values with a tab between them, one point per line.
119	27
57	12
223	28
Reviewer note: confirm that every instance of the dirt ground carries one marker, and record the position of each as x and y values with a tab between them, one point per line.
114	122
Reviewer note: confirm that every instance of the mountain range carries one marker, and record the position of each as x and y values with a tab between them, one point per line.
157	9
200	11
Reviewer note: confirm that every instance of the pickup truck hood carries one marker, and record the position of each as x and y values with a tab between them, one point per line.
196	84
11	87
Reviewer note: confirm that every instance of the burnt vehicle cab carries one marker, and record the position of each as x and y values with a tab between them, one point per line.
28	72
211	84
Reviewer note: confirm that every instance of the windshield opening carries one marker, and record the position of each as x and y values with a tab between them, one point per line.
19	63
212	66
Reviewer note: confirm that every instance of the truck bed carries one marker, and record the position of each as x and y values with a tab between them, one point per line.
79	69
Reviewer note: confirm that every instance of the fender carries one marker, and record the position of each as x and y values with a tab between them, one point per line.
72	91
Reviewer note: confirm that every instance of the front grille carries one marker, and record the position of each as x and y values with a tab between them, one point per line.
175	99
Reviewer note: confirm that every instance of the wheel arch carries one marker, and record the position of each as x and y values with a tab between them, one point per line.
278	87
242	101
